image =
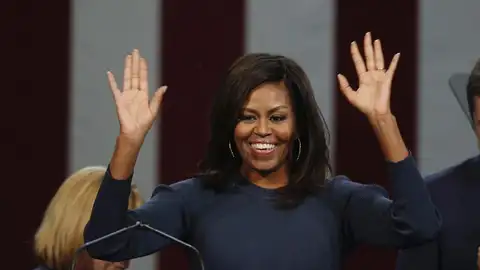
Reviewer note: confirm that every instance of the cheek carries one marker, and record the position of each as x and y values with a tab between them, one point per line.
284	132
242	131
284	135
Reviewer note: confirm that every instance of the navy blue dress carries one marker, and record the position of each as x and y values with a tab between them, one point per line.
240	229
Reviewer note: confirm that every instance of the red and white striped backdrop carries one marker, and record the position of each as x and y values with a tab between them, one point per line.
64	117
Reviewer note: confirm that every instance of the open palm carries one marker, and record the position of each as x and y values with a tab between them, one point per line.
136	113
373	95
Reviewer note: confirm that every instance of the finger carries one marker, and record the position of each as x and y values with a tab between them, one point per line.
369	56
393	66
357	59
135	70
379	62
127	72
157	100
113	84
346	88
143	75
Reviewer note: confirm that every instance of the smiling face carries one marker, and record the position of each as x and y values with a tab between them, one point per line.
265	128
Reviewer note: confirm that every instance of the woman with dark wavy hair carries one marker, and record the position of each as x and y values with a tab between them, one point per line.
265	198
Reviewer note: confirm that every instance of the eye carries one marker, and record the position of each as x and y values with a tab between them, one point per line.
278	118
247	118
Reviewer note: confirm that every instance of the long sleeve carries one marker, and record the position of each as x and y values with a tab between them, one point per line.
370	217
424	257
163	211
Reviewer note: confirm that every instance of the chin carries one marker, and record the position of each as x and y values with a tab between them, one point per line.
265	167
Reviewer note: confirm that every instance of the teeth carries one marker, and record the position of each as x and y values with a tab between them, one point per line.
263	146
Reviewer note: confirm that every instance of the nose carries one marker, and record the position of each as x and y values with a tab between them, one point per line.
262	128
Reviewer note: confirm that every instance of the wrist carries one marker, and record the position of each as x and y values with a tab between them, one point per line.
382	120
124	157
129	142
388	134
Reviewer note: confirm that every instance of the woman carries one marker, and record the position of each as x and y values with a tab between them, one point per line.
264	199
61	232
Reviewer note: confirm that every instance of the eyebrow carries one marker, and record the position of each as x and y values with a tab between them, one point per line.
269	111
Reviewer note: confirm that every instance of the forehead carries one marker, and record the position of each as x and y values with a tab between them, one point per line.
269	95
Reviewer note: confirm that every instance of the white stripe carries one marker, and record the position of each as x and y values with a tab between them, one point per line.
103	32
303	30
448	44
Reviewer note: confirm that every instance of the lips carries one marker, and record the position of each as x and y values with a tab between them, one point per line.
261	148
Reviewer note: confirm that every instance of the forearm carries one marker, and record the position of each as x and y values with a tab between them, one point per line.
389	137
109	213
124	158
406	220
414	216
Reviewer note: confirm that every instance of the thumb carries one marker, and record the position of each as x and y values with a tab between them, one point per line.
346	89
157	100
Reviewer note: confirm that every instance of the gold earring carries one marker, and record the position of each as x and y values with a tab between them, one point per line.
299	149
231	151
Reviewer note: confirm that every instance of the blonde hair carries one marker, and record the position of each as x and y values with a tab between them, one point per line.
61	230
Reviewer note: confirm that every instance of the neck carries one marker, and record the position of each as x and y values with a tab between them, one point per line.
271	180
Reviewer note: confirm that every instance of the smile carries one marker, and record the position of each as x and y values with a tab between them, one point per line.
263	148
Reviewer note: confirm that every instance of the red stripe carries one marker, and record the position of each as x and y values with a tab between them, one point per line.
35	46
200	39
357	153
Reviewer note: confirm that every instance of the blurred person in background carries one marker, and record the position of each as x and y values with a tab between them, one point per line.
61	232
265	198
456	193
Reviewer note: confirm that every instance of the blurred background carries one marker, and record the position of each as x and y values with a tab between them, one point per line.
58	105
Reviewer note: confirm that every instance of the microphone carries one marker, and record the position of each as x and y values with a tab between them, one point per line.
141	225
197	252
458	85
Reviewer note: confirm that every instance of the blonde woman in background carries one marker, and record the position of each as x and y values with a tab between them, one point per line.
61	231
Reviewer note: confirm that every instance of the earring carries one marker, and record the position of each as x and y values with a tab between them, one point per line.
299	149
231	151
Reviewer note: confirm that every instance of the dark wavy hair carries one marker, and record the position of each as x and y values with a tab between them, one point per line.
307	174
473	88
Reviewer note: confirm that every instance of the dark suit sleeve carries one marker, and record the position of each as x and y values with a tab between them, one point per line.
163	211
408	219
424	257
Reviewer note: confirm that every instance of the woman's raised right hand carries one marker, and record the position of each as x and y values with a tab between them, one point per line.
136	113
